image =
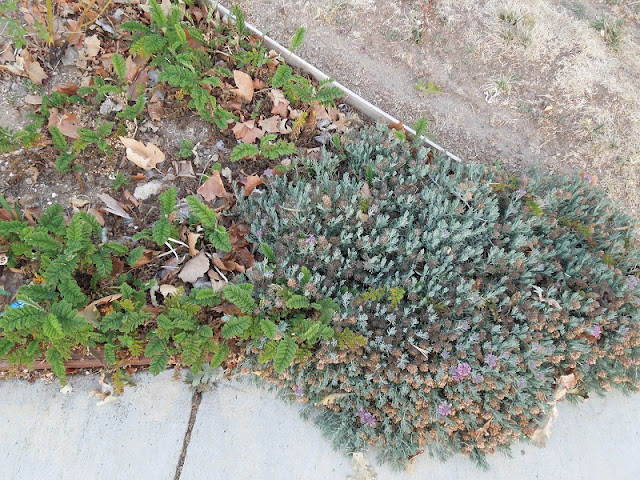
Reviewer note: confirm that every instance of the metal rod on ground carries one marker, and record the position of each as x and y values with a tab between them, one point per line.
351	98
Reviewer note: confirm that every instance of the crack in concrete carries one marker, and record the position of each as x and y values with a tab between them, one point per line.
195	404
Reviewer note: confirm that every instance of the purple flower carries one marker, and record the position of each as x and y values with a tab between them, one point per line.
298	391
366	418
623	330
445	409
632	282
462	371
491	360
445	354
588	178
268	173
311	239
259	233
521	192
522	383
477	379
596	331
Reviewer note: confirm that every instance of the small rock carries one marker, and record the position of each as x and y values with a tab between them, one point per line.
221	146
153	80
147	190
109	106
28	200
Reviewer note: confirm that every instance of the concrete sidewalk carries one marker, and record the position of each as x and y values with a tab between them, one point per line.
242	432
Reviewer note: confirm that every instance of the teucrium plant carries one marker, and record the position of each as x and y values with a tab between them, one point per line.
475	291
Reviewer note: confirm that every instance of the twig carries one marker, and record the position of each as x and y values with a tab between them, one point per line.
421	350
178	242
292	209
221	274
628	227
172	250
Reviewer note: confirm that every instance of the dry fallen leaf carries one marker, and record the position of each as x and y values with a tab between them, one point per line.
271	124
332	398
192	239
361	468
92	46
68	123
247	131
107	299
167	290
217	282
213	188
542	434
250	183
113	206
280	103
244	84
155	107
97	215
195	268
67	88
146	157
33	69
184	168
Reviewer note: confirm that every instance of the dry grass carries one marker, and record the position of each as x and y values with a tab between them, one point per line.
538	65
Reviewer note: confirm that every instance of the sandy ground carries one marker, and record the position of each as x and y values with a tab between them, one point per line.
526	83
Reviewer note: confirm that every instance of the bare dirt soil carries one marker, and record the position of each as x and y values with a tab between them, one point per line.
526	83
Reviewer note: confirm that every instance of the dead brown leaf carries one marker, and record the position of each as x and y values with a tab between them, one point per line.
107	299
250	183
192	239
133	67
218	263
155	107
145	258
213	188
132	90
97	214
33	69
113	206
68	123
7	56
217	282
542	434
271	124
195	268
332	398
92	46
280	103
247	131
244	84
184	168
67	89
131	199
146	157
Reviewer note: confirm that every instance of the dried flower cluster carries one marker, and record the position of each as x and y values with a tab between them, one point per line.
475	291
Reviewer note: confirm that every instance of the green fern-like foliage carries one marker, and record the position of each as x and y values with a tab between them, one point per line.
119	66
282	76
244	150
216	234
271	148
131	112
240	296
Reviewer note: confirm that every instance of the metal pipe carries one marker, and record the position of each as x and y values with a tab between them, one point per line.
350	97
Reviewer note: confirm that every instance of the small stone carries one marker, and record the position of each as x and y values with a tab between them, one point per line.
147	190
